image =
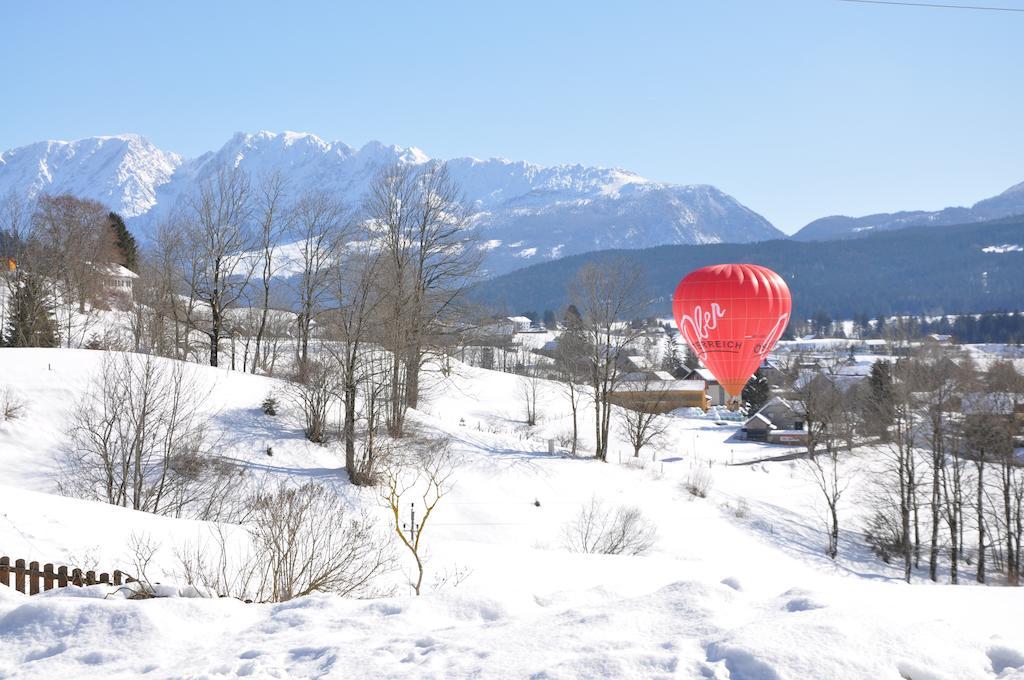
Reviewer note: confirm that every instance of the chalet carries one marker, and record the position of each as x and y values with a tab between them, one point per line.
520	324
117	280
658	392
777	422
717	395
937	339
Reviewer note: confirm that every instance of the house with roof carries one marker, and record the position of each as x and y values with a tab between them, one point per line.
717	396
520	324
117	279
779	421
657	392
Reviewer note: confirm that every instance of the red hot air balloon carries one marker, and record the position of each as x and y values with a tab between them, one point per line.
732	315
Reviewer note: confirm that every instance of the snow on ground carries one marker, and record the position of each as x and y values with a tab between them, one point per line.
724	594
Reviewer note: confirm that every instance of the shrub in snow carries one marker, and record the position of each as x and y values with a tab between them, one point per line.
884	536
270	405
11	405
297	541
622	530
698	482
138	439
313	388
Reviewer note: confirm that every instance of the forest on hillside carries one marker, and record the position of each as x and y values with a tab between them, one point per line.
937	270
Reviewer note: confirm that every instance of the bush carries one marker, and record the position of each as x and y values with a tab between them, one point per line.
270	405
698	483
883	535
600	530
11	405
297	541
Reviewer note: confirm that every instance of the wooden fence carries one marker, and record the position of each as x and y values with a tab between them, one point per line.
31	579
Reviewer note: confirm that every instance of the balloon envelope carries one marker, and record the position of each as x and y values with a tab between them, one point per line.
732	315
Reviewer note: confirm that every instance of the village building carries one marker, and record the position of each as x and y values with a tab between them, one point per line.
117	279
779	421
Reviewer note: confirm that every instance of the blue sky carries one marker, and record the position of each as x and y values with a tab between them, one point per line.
798	108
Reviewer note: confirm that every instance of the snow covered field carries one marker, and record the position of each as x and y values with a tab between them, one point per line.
737	585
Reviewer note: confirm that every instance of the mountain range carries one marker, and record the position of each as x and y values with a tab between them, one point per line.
1006	204
526	212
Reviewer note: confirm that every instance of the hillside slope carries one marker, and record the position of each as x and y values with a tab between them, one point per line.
933	270
723	595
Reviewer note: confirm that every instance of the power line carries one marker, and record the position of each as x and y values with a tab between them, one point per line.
936	5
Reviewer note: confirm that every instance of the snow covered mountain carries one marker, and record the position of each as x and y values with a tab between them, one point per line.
528	213
1007	204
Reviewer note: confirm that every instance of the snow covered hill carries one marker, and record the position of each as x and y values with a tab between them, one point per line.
736	586
527	212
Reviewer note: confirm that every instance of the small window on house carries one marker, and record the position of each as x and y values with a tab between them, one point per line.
798	425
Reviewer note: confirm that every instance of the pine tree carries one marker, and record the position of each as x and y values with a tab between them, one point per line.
127	248
31	323
671	361
881	406
550	322
573	320
756	392
690	360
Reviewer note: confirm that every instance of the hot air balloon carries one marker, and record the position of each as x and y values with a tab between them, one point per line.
732	315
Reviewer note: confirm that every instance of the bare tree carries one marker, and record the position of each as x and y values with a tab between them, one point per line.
74	237
428	259
219	264
270	194
138	439
424	470
605	295
318	223
529	385
571	364
642	415
822	403
314	387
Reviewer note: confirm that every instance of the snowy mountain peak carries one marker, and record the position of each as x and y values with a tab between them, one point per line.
529	212
123	171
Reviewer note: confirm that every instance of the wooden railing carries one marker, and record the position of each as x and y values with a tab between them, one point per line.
31	579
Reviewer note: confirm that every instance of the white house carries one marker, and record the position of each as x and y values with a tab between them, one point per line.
521	324
117	280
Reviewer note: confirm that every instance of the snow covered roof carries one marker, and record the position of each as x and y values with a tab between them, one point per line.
632	383
519	319
763	419
706	375
116	271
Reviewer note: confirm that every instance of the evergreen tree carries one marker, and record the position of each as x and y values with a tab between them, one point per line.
127	248
690	359
756	392
880	407
573	320
31	323
671	360
550	322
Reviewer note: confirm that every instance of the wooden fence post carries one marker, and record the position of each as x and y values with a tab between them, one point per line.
19	575
90	578
62	577
76	577
33	578
105	578
117	577
48	576
5	570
